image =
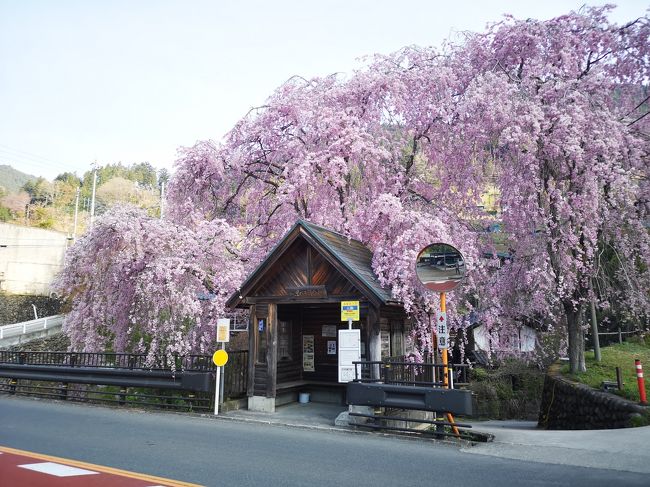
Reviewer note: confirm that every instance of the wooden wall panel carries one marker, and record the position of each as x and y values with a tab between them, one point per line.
324	274
260	380
290	271
291	370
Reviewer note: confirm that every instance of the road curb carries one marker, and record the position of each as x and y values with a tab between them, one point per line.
448	441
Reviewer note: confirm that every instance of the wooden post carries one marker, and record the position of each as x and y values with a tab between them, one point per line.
272	350
252	352
374	340
620	336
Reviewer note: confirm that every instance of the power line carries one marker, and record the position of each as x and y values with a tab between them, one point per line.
32	155
14	160
3	246
11	155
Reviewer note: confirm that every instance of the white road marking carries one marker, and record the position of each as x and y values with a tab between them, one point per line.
57	469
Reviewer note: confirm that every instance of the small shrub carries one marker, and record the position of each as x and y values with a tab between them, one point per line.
479	374
511	391
5	214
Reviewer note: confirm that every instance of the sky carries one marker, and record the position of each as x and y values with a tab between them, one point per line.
133	81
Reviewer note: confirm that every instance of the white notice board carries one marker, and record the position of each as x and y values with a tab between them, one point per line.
349	351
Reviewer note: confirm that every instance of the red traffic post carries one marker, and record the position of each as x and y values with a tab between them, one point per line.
640	381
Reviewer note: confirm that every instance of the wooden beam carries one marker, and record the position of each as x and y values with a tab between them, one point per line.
304	299
310	270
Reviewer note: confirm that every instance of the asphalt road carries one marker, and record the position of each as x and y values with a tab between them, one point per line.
218	452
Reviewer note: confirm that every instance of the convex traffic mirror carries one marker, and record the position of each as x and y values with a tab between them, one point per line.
440	267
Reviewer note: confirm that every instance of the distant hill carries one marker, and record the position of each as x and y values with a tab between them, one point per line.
12	179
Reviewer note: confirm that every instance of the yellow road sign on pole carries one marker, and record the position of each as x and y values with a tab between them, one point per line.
349	310
220	358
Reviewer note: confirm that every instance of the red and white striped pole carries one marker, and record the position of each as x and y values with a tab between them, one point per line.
640	382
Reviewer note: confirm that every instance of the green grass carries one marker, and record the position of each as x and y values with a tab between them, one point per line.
619	355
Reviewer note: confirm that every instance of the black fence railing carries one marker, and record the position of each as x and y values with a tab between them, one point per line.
113	360
93	393
411	374
121	378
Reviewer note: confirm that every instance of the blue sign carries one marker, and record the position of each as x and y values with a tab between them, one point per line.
205	296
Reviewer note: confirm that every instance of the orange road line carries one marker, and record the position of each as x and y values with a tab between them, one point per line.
100	468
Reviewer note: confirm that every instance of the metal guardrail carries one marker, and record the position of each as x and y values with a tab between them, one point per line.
399	385
409	397
159	379
121	378
32	326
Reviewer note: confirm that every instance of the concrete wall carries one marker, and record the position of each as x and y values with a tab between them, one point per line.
29	258
569	405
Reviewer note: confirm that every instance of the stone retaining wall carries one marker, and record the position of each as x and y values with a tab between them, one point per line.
568	405
16	308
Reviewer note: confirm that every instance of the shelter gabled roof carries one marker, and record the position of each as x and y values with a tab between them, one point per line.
349	256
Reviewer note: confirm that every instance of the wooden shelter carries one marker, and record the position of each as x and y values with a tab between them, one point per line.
294	297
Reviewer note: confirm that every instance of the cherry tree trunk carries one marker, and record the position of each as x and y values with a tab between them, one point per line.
576	338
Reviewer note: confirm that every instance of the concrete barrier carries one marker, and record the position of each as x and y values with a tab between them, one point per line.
29	330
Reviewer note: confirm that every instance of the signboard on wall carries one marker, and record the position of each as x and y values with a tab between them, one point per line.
349	351
329	331
308	353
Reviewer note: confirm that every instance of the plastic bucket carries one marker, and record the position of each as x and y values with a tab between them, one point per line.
303	397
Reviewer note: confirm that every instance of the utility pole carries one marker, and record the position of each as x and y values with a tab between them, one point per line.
594	324
76	213
162	199
92	201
